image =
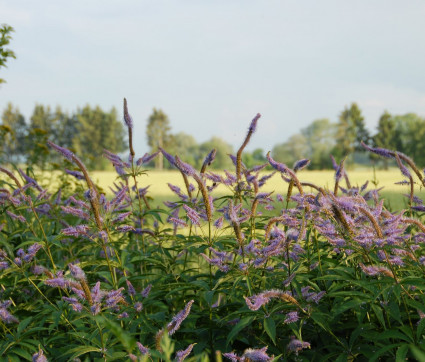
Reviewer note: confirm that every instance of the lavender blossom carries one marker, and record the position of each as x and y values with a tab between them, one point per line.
291	317
145	292
64	151
256	355
192	215
5	316
39	356
32	251
77	272
59	282
76	212
177	222
379	151
96	293
296	345
143	350
131	289
78	175
184	167
114	297
181	355
146	158
281	167
127	118
177	320
138	306
75	230
4	265
16	217
219	222
209	158
169	158
76	306
299	165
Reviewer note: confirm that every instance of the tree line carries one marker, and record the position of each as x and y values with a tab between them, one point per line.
343	138
87	131
90	130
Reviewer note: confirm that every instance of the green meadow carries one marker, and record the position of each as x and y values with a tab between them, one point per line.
159	190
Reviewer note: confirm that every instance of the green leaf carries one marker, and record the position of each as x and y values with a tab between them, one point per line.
22	325
22	353
125	338
383	350
80	350
379	314
420	329
270	328
351	304
400	356
418	353
238	327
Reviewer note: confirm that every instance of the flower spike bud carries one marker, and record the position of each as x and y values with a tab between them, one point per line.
127	118
62	150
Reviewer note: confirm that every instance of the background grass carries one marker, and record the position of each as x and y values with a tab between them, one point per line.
159	190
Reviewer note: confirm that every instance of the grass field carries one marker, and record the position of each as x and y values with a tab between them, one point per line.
158	189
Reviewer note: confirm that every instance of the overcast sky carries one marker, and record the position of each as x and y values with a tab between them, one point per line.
211	65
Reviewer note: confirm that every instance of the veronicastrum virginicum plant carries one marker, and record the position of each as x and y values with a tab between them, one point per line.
303	273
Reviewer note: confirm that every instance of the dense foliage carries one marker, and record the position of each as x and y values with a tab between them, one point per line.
303	274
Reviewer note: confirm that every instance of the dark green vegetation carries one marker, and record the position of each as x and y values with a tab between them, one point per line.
88	131
5	53
248	276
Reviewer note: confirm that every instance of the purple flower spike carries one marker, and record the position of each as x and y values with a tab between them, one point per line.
181	355
127	118
130	287
146	158
177	320
78	175
281	167
169	158
256	355
39	356
210	158
253	125
77	272
146	291
299	165
379	151
291	317
296	345
64	151
143	350
184	167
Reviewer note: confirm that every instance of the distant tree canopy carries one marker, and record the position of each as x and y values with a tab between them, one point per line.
87	131
5	53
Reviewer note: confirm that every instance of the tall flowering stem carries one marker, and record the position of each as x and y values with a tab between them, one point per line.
129	122
251	130
18	184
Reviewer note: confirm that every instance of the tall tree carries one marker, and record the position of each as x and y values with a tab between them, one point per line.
294	149
222	159
66	128
5	53
158	134
13	143
386	136
320	137
98	130
185	147
351	131
410	136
